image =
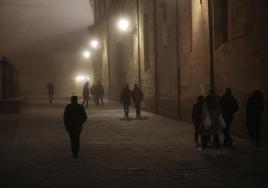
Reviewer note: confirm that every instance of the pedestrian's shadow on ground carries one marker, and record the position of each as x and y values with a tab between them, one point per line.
131	119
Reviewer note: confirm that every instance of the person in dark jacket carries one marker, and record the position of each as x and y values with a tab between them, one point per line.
229	107
197	113
137	96
125	99
74	117
213	112
254	109
99	93
85	94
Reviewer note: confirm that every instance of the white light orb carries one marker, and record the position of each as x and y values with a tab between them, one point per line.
123	24
86	54
94	44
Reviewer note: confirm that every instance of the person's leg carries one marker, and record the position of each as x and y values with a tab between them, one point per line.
125	110
216	140
196	134
72	139
87	101
84	100
101	98
258	137
251	131
137	110
226	133
77	143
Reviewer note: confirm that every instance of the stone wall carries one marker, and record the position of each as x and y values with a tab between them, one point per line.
174	60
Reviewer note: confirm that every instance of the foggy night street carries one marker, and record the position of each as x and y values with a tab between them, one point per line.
133	94
154	152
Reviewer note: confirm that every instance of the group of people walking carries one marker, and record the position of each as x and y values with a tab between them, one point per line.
125	99
212	115
96	91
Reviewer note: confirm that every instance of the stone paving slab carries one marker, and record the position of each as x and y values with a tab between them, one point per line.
153	152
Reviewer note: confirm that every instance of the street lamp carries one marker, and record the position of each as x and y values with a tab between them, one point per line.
123	24
86	54
94	43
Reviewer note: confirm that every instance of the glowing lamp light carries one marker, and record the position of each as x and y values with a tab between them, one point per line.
86	54
82	78
94	44
123	24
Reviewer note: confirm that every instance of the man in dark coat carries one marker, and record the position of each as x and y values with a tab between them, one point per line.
229	107
74	117
125	99
254	108
197	113
99	93
137	96
85	94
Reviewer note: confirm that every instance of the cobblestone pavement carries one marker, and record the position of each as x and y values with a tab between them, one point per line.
152	152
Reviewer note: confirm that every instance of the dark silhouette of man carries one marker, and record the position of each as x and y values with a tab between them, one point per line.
197	113
229	107
137	96
99	93
85	94
50	92
254	109
74	117
125	99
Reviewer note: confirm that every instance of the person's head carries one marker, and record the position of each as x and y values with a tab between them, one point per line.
86	83
228	91
200	98
74	99
135	85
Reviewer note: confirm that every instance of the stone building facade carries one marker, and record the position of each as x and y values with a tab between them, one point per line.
179	49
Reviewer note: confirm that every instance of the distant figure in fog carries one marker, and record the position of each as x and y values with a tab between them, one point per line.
229	107
85	94
197	113
213	121
93	93
50	92
125	100
99	93
137	96
254	110
74	117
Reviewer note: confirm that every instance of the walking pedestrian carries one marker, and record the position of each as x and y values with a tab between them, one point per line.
254	111
213	121
137	96
99	93
229	107
85	94
50	92
74	117
197	112
125	100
